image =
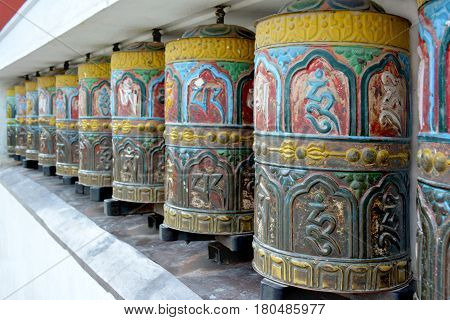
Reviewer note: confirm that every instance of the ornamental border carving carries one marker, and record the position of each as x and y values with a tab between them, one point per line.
371	28
306	273
208	223
97	70
66	170
139	194
95	179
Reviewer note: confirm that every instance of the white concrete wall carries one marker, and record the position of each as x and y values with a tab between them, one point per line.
33	265
41	21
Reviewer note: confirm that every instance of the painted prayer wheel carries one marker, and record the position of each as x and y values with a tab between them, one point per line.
47	121
11	123
332	147
209	131
32	120
66	112
21	129
95	123
433	192
137	82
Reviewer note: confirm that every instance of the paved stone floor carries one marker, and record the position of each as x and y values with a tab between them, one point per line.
188	262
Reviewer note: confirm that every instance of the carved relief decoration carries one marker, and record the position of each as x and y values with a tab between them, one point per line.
331	147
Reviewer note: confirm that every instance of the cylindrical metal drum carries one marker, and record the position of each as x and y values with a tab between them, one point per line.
332	147
32	120
21	129
95	123
433	192
137	82
66	111
11	122
209	131
47	120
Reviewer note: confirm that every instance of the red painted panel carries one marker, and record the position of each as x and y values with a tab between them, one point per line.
8	9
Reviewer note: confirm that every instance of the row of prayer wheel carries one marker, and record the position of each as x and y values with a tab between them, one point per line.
305	141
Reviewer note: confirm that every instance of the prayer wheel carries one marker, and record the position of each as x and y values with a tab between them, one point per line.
66	112
11	123
209	130
433	190
332	147
21	129
95	168
32	120
47	121
137	82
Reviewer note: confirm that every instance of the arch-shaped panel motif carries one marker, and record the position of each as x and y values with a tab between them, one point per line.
130	95
428	39
129	162
244	99
157	163
208	89
209	180
174	179
102	150
268	208
383	211
384	90
444	77
156	98
323	218
245	184
263	90
173	92
99	105
322	95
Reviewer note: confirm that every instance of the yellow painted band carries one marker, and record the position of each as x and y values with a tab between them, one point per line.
46	82
94	70
334	26
220	49
67	80
10	92
30	86
147	60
